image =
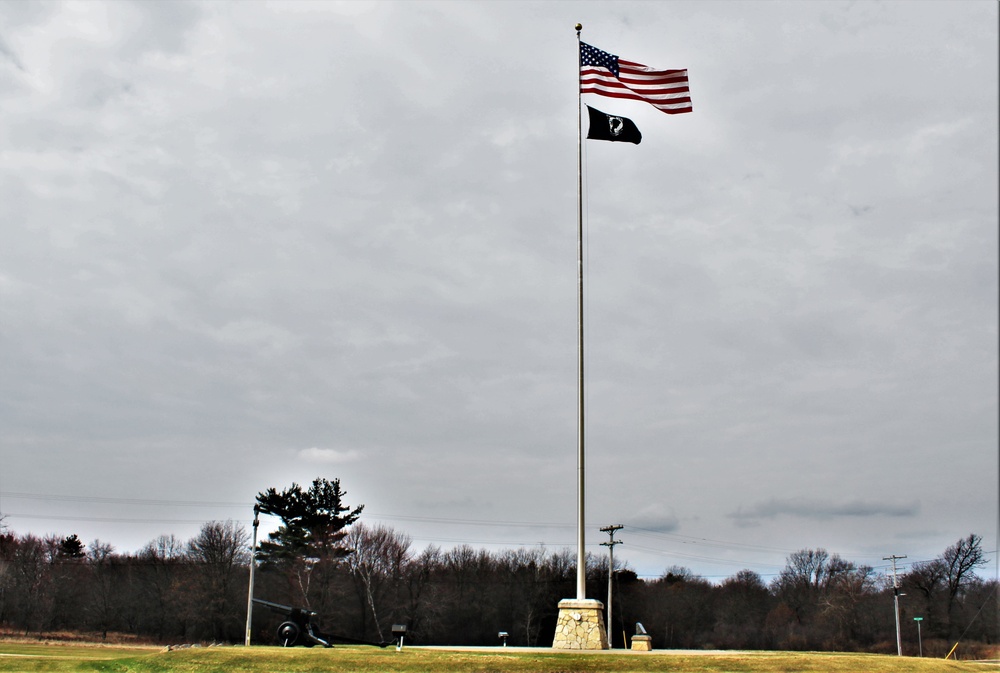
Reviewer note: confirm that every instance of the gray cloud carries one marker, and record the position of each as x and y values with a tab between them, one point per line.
654	517
806	508
231	234
10	55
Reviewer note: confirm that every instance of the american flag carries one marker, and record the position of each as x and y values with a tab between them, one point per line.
607	75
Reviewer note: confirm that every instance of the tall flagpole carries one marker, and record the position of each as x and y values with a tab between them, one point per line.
580	625
581	558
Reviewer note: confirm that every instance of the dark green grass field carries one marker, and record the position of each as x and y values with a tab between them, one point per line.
24	657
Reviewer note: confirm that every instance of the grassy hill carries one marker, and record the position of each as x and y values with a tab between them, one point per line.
24	657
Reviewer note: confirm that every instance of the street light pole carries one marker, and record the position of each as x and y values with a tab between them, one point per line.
253	564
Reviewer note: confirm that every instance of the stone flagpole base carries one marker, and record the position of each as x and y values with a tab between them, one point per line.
580	626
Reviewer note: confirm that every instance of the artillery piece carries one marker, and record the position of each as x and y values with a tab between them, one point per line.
300	629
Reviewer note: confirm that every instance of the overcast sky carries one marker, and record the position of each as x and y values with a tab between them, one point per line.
246	244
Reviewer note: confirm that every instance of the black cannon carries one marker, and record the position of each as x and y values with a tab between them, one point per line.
298	627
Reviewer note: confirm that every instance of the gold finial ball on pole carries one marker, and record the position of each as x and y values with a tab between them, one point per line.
579	27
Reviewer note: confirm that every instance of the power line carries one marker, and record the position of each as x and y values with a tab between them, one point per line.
707	542
659	536
117	501
106	519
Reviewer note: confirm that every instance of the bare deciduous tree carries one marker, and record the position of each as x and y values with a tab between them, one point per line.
960	562
220	549
378	560
101	605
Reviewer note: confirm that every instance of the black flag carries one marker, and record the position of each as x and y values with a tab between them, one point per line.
609	127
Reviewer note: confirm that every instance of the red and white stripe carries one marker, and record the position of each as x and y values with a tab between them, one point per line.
665	90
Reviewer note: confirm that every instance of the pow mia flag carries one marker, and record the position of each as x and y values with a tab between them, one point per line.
610	127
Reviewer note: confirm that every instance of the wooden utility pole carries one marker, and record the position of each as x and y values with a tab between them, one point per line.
610	530
895	600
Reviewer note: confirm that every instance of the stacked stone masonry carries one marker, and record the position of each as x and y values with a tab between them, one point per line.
580	626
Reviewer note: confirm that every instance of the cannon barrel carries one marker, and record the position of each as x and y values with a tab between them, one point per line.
284	609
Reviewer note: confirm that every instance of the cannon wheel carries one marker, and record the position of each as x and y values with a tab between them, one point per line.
288	634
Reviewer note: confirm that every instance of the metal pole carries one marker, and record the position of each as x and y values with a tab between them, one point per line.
253	565
610	530
920	640
581	558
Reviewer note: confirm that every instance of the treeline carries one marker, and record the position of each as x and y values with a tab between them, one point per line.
196	591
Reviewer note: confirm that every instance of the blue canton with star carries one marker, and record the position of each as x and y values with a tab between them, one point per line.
594	56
